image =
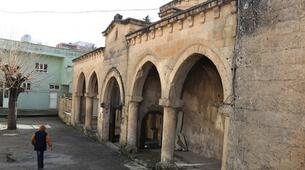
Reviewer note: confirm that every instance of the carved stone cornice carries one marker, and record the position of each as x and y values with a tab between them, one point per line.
185	17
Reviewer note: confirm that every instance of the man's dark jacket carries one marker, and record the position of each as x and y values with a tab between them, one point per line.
40	141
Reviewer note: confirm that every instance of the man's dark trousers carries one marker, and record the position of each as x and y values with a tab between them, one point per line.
40	159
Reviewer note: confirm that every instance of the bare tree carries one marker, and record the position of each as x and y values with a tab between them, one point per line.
17	67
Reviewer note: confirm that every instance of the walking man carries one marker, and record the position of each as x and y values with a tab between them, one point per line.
40	140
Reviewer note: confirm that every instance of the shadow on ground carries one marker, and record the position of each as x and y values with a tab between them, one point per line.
72	150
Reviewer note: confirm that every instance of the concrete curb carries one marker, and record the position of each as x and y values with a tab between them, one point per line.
31	115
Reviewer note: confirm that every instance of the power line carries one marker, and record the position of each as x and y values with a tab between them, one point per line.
76	12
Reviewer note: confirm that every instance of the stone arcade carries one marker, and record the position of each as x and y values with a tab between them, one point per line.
175	84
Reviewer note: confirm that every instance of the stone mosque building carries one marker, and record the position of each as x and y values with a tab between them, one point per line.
223	79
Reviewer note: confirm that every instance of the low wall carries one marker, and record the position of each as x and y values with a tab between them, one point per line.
31	113
65	109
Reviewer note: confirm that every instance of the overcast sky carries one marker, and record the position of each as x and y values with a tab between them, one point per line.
53	28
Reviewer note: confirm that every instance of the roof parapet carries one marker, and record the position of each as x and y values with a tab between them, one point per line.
169	12
169	5
89	54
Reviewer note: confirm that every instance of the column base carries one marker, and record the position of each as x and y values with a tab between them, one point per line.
166	165
131	149
87	128
130	152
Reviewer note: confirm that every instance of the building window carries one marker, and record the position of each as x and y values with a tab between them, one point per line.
26	86
54	87
41	67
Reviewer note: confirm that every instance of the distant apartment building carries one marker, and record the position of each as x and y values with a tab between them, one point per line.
26	38
79	45
66	46
53	74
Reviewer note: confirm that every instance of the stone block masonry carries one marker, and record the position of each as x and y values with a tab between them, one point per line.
268	123
230	73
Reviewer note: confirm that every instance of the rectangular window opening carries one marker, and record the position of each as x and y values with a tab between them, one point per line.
54	87
41	67
26	86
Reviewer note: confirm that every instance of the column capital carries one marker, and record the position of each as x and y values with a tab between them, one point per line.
226	109
96	96
76	94
88	95
105	105
136	99
92	95
170	103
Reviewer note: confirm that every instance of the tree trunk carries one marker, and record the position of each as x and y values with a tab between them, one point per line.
12	116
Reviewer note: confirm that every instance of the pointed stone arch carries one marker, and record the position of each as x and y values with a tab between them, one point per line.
113	100
146	91
81	84
141	72
80	102
185	63
113	73
93	85
92	102
217	70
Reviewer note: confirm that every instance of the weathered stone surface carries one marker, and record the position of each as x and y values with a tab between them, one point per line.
151	67
268	123
258	74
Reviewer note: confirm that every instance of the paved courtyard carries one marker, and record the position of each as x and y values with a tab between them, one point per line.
71	149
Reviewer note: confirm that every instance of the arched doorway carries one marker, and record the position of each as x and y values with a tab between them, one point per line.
200	125
151	130
93	102
115	111
81	90
150	113
113	101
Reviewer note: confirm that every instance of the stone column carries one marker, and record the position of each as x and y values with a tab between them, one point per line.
75	111
94	106
100	123
169	134
124	127
89	107
95	111
132	125
227	111
105	122
225	144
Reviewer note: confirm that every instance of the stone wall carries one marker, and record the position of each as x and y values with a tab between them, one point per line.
65	110
268	124
171	46
259	121
203	126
